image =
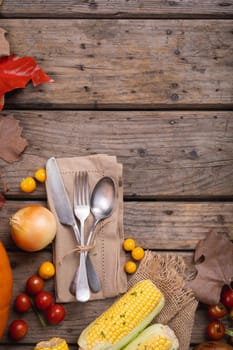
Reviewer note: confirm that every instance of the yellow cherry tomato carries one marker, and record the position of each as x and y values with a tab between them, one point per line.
40	175
46	270
129	244
130	267
138	253
28	184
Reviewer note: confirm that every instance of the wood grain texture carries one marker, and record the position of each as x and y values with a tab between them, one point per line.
115	9
188	154
147	81
157	225
126	63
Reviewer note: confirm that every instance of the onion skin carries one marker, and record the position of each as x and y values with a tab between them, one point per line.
33	228
213	345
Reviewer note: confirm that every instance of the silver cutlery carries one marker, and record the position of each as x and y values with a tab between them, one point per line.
82	211
102	203
65	213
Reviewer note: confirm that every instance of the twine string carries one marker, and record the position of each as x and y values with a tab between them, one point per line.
78	248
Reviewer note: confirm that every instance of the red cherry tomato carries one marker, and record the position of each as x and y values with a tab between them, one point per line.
55	313
215	330
18	329
34	284
43	300
22	303
227	297
217	311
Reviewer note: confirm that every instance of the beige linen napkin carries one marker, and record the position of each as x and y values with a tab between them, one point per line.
107	256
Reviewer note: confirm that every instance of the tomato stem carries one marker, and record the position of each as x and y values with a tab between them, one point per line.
38	314
229	332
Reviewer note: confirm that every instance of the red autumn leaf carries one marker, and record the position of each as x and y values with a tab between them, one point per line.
12	144
16	72
213	259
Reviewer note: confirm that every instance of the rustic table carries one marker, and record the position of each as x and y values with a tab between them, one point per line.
147	81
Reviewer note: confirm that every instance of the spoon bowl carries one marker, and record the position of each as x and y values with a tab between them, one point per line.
103	200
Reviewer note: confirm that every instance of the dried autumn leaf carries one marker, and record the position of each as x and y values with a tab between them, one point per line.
16	72
12	144
213	260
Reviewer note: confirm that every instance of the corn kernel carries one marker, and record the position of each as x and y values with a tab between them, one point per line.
155	337
155	343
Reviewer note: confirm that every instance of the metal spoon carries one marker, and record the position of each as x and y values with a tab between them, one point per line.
102	204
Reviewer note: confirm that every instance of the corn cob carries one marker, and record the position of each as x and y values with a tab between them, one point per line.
155	337
129	315
52	344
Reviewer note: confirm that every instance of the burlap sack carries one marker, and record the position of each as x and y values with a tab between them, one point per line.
168	274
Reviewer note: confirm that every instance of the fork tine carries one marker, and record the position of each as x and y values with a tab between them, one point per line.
79	185
80	188
76	194
83	187
86	189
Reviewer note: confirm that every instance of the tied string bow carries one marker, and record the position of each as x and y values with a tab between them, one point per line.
78	248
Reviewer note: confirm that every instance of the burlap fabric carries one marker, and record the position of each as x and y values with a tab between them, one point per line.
168	274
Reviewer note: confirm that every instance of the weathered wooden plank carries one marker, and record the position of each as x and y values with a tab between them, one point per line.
164	154
116	9
126	63
156	225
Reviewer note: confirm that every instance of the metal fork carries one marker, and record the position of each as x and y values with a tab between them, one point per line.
82	210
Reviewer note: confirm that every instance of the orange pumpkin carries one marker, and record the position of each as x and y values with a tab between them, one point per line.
6	287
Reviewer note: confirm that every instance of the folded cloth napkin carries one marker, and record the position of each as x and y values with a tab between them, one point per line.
107	255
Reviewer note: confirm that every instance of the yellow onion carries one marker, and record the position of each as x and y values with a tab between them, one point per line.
33	228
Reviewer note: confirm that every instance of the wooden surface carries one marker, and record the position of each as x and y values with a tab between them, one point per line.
147	81
116	9
126	63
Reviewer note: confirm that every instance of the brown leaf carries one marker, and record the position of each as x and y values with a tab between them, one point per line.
12	144
213	259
